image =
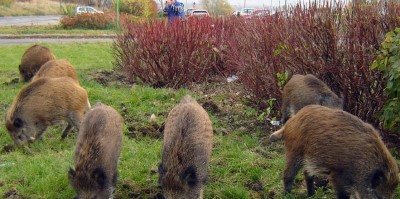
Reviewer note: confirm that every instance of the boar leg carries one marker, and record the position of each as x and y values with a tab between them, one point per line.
74	121
66	131
341	181
293	166
40	133
310	183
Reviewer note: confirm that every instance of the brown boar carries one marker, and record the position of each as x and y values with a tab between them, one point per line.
336	144
98	148
303	90
43	103
188	136
31	61
57	68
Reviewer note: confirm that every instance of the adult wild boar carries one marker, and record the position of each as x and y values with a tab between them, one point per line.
97	153
339	145
303	90
57	68
188	137
43	103
31	61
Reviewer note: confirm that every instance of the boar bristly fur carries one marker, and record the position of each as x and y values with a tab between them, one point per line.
188	136
57	68
45	102
339	145
303	90
97	153
31	61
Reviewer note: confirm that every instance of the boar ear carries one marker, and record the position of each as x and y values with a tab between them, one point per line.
71	173
18	122
100	177
190	176
377	178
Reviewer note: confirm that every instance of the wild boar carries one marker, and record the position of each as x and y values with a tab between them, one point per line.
303	90
43	103
57	68
31	61
188	137
97	152
334	143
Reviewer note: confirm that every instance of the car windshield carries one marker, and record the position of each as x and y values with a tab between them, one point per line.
200	13
90	10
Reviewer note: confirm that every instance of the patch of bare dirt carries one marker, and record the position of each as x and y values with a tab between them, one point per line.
110	78
152	130
13	194
133	191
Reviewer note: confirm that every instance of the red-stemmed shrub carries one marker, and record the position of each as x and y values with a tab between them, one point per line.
171	54
336	44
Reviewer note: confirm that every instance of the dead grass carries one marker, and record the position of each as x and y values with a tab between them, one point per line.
33	7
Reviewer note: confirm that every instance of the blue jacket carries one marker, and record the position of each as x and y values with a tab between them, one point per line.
176	10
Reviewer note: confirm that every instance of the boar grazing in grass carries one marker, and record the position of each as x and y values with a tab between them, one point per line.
97	152
57	68
303	90
336	144
31	61
188	140
43	103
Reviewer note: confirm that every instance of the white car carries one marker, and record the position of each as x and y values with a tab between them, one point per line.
86	9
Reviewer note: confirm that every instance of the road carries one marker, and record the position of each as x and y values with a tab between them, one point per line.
9	41
30	20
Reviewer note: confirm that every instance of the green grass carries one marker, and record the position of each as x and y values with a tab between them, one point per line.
241	166
51	30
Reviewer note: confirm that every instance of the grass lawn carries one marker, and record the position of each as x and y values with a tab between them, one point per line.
51	30
243	165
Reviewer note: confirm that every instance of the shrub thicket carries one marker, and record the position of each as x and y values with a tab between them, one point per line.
139	8
388	61
89	21
173	54
334	43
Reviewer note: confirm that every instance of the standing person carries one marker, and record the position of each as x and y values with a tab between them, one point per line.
175	10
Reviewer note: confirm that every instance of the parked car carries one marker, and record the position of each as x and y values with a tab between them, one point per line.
86	9
199	13
189	11
246	11
258	13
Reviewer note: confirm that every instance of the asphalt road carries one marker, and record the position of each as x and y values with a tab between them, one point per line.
9	41
30	20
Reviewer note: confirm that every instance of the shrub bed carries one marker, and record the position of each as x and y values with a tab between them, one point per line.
171	54
89	21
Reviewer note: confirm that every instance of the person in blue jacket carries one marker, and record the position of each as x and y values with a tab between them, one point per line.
175	10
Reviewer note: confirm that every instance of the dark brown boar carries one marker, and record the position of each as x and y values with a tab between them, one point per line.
188	136
57	68
97	153
31	61
303	90
43	103
334	143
